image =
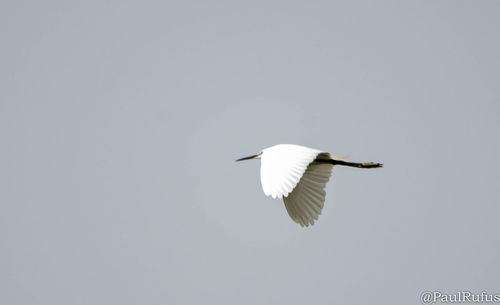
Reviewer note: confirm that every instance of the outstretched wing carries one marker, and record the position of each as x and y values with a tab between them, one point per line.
305	202
282	166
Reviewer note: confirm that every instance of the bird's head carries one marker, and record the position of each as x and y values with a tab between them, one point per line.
257	156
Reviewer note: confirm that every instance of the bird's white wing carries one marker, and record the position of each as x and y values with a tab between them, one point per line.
282	166
305	203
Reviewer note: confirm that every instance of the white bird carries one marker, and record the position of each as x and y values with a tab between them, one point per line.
298	174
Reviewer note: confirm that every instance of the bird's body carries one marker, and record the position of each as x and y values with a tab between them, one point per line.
299	174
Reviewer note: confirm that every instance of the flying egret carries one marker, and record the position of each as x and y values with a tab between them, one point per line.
298	174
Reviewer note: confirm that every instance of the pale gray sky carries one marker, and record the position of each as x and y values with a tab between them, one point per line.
120	122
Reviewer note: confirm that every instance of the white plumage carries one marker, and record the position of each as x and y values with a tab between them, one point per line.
305	203
299	175
282	166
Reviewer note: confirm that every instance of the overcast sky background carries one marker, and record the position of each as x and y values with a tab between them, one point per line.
120	122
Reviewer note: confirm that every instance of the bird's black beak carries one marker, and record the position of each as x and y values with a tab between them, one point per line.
249	157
